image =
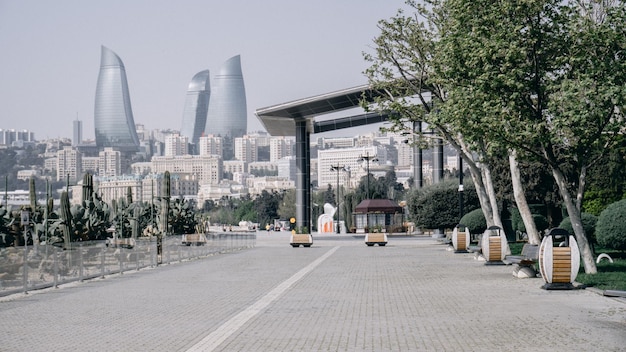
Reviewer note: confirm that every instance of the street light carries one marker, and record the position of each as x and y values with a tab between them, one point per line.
367	157
338	168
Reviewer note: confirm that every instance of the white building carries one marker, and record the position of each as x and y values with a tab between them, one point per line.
351	159
207	169
287	168
234	166
256	185
263	166
109	163
175	144
281	147
116	187
211	145
246	149
69	163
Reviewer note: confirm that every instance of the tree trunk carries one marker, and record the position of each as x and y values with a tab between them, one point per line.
481	191
491	192
577	224
520	200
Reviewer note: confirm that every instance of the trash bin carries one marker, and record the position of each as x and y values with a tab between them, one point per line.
460	238
494	246
559	260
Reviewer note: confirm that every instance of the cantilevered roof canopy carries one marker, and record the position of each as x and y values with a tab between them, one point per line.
279	120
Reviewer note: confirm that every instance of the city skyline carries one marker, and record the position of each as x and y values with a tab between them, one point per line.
287	55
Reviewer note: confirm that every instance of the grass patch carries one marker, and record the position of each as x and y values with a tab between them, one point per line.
610	276
516	247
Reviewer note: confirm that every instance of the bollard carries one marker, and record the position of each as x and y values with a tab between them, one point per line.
559	261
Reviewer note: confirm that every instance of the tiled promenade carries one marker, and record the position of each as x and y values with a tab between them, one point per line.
338	295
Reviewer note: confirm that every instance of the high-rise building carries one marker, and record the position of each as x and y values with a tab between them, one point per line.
175	144
196	107
227	109
69	164
113	115
211	145
77	133
246	149
109	163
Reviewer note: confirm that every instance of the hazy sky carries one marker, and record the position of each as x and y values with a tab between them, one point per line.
290	49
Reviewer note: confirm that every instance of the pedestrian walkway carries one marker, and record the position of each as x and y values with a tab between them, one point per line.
339	295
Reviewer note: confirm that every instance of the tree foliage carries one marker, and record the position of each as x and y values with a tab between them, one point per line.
611	226
437	206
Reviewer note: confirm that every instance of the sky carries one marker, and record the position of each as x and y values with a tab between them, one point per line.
50	54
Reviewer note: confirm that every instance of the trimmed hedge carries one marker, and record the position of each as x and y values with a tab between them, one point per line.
518	224
611	226
475	221
589	225
437	206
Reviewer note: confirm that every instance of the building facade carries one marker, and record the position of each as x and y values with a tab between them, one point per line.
69	164
196	107
227	113
206	169
113	115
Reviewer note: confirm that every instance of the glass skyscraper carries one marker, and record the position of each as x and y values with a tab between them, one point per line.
196	107
113	115
227	109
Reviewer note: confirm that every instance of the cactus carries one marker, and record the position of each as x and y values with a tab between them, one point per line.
87	187
66	217
32	194
129	195
165	202
134	221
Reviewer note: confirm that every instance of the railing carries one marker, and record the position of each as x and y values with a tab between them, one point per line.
23	269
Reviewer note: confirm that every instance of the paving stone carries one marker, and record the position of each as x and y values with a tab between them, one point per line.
411	295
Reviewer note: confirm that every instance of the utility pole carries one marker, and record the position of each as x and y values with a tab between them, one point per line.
338	168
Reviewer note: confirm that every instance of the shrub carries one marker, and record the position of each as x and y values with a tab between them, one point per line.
475	221
589	225
541	222
611	226
436	206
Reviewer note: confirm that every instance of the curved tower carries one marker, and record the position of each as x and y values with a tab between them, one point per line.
196	107
227	110
113	115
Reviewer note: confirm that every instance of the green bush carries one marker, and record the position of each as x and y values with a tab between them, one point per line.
475	221
437	206
589	225
611	226
541	222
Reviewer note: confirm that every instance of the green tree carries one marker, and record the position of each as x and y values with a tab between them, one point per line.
562	74
266	206
402	72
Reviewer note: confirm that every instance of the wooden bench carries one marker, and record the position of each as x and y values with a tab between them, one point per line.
528	257
379	238
524	263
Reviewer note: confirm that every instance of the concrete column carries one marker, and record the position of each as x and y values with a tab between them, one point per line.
303	176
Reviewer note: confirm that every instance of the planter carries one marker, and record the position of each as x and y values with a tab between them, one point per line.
306	240
379	238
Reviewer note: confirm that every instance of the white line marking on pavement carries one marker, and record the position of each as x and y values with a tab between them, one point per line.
214	339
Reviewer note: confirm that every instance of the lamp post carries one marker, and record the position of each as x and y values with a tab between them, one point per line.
367	157
338	168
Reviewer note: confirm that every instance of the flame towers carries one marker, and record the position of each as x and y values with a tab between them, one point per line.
196	107
113	115
227	108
